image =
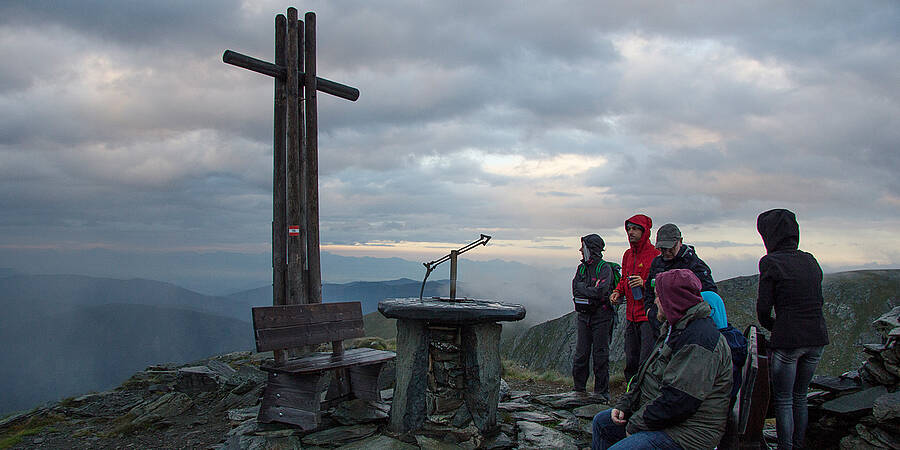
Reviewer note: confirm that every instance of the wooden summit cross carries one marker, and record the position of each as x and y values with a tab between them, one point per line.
295	215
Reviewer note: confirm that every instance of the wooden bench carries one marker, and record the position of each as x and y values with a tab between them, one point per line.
748	416
293	393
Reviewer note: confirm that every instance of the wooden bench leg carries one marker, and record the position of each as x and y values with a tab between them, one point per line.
292	399
338	388
364	381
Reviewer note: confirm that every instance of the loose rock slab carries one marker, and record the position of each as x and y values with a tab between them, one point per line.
565	400
340	435
589	411
531	416
379	442
169	405
358	411
856	402
533	435
887	407
514	406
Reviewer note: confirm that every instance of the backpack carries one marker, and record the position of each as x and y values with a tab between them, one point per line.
738	345
616	271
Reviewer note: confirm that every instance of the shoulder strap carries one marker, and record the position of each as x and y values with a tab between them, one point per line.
614	268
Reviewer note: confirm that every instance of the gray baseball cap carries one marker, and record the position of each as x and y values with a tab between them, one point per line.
667	236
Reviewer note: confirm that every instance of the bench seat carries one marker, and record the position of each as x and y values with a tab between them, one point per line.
327	361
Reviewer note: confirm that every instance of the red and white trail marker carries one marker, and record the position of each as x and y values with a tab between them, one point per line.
294	230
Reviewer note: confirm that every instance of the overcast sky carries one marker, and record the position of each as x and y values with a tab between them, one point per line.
534	122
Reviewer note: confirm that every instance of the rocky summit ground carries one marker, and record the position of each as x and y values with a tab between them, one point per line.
213	404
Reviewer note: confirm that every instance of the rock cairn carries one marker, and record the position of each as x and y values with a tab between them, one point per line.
861	408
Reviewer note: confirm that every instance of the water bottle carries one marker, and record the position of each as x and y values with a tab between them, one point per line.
637	292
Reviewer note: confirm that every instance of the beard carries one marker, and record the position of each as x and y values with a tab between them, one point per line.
660	316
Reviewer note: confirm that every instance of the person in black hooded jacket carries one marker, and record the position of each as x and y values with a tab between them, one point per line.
790	282
590	292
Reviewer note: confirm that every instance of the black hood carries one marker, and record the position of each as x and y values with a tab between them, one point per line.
779	230
595	244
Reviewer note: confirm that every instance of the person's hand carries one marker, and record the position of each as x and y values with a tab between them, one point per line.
614	297
635	281
618	417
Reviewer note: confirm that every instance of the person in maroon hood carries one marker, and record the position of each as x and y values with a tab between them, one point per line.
639	336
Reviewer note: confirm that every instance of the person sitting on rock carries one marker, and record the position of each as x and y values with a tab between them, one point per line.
680	396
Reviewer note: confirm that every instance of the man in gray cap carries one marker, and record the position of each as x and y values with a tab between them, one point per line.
674	254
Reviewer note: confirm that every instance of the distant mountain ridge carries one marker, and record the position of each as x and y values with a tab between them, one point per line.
368	293
68	334
47	356
852	301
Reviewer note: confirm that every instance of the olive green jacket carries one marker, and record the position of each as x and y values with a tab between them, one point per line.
683	388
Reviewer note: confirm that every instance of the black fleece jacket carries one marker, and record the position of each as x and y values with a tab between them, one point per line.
790	282
685	259
585	283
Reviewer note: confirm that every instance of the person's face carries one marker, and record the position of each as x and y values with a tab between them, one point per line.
668	254
660	316
634	233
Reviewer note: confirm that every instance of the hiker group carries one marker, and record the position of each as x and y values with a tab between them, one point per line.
682	358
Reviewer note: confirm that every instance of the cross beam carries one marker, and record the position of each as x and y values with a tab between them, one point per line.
274	70
296	266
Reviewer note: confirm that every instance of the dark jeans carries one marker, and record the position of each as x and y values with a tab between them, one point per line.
639	342
791	370
606	434
593	330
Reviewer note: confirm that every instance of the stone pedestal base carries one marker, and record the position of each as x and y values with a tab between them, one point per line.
480	358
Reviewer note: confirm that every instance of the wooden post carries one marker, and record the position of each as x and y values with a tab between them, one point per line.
297	293
279	213
297	272
301	193
311	162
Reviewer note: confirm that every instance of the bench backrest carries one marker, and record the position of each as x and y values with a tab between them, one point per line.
290	326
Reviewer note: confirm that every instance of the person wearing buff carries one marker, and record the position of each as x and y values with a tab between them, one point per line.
680	396
639	335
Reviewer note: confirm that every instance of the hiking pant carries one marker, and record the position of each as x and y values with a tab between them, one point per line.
593	330
792	369
607	434
639	342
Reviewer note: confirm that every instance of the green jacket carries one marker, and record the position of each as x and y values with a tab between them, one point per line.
683	388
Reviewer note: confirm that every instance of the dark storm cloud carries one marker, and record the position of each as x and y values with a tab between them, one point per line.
122	124
134	23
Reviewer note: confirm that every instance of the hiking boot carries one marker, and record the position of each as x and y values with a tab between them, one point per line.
600	397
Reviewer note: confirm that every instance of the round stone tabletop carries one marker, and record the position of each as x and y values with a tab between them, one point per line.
443	310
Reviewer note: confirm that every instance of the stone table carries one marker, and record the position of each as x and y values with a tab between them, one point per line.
479	355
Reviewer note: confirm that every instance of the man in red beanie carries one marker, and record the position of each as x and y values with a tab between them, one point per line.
680	396
639	335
